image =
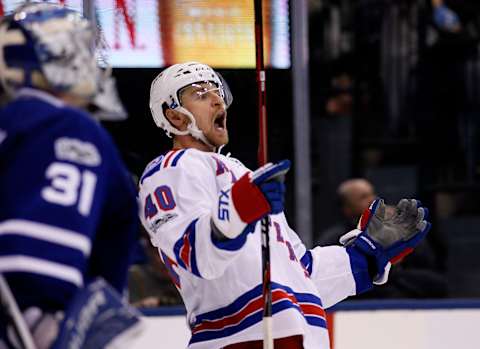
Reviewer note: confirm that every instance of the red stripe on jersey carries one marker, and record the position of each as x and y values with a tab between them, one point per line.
310	309
185	252
169	156
253	306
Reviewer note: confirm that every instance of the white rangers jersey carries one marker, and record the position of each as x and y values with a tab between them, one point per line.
221	282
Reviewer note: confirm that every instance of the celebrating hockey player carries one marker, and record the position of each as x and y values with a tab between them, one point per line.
203	210
68	205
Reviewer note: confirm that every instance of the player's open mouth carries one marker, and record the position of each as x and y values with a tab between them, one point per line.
220	121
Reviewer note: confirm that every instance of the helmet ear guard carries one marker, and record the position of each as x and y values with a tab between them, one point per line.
165	94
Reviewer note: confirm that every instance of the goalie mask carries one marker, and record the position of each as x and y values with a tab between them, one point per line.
166	89
52	48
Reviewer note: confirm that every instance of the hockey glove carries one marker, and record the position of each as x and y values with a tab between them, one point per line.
388	238
249	199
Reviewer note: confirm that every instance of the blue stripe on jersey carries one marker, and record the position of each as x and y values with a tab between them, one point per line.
247	310
153	167
307	261
193	258
359	265
20	245
178	156
316	321
185	250
248	321
232	307
304	297
307	298
233	244
249	295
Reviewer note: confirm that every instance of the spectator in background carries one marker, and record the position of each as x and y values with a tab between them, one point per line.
418	276
148	282
354	196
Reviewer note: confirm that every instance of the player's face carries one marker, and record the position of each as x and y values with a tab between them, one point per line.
204	101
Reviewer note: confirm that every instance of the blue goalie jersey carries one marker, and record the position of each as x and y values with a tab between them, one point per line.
67	204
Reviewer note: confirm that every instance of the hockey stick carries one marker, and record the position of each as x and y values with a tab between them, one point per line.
9	305
262	159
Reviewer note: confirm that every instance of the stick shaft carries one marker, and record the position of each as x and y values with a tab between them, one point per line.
262	160
12	310
261	84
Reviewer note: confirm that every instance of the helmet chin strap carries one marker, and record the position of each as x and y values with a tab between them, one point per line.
193	130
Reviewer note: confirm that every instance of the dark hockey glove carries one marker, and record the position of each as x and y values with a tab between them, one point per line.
249	199
389	238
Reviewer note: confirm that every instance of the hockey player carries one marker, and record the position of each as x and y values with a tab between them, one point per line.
68	205
202	211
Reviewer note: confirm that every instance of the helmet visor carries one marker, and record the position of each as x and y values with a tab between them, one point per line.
201	89
227	93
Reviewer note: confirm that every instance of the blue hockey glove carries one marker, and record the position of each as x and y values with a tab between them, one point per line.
249	199
270	179
389	238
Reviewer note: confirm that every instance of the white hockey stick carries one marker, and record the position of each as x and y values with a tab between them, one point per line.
9	305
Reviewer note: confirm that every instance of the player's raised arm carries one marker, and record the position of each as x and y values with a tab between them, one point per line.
368	252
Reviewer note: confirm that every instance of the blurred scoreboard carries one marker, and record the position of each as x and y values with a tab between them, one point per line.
156	33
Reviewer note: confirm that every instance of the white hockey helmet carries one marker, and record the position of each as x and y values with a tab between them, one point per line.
50	47
165	94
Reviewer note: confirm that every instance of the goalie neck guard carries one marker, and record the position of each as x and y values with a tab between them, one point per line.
165	94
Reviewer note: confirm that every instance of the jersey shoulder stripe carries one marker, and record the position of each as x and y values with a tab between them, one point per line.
152	168
168	160
172	157
168	157
178	156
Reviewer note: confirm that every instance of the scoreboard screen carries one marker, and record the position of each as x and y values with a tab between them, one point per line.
156	33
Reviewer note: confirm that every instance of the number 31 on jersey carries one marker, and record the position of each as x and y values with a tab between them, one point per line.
70	186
